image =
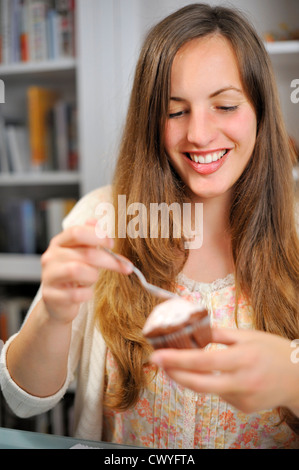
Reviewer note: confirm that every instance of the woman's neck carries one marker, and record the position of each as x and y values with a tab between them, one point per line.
213	260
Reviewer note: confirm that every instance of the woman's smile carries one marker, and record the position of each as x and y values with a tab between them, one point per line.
206	163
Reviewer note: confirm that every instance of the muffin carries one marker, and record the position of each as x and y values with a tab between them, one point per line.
178	323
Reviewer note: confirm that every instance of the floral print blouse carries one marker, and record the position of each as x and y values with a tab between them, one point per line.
170	416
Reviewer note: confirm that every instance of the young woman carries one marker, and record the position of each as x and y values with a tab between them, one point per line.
203	126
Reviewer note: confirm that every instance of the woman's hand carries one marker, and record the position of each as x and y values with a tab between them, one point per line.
254	372
70	268
37	358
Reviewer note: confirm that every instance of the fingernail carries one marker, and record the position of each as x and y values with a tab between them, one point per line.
155	358
111	242
128	265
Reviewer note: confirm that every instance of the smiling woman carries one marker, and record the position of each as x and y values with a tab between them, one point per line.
203	126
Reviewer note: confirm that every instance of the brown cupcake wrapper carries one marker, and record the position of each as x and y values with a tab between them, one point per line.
196	335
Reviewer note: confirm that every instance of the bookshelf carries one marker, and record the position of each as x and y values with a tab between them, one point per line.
51	62
57	71
283	47
41	67
19	268
46	178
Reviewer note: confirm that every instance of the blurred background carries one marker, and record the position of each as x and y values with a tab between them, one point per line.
66	69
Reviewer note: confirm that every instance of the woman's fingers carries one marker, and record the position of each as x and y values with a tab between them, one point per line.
231	336
82	245
74	271
70	269
81	236
69	296
253	371
195	360
205	383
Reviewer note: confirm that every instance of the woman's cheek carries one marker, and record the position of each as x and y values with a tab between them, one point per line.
242	129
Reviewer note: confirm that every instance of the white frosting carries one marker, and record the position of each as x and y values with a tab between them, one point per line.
171	312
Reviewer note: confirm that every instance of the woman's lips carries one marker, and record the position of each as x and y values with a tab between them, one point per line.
207	168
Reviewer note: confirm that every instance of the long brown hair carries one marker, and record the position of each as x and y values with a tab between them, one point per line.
264	238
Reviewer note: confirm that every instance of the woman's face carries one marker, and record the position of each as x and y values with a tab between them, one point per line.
210	131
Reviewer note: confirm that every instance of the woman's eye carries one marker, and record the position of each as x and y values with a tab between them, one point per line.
227	108
175	115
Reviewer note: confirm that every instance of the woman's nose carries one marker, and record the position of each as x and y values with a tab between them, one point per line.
202	129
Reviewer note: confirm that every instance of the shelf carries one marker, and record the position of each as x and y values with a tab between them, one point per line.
38	178
38	67
17	267
282	47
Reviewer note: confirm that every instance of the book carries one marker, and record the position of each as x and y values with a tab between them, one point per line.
37	14
56	211
1	33
61	133
5	15
18	148
36	30
24	32
65	24
40	101
50	140
63	137
3	325
13	310
27	226
17	226
15	18
73	157
20	224
4	156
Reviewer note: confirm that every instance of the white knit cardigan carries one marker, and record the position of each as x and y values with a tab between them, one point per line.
87	355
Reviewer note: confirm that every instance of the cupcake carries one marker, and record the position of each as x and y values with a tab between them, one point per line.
178	323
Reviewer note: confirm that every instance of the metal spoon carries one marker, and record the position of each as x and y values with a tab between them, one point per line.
155	290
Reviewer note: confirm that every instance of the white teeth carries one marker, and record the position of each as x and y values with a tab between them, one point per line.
210	157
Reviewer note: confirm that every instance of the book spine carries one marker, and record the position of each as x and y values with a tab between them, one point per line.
4	156
16	148
65	12
40	101
4	335
28	227
56	210
6	30
13	310
15	30
61	133
73	157
24	33
38	155
1	58
37	30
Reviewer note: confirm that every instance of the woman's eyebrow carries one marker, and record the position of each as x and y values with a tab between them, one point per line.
177	98
215	93
223	90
